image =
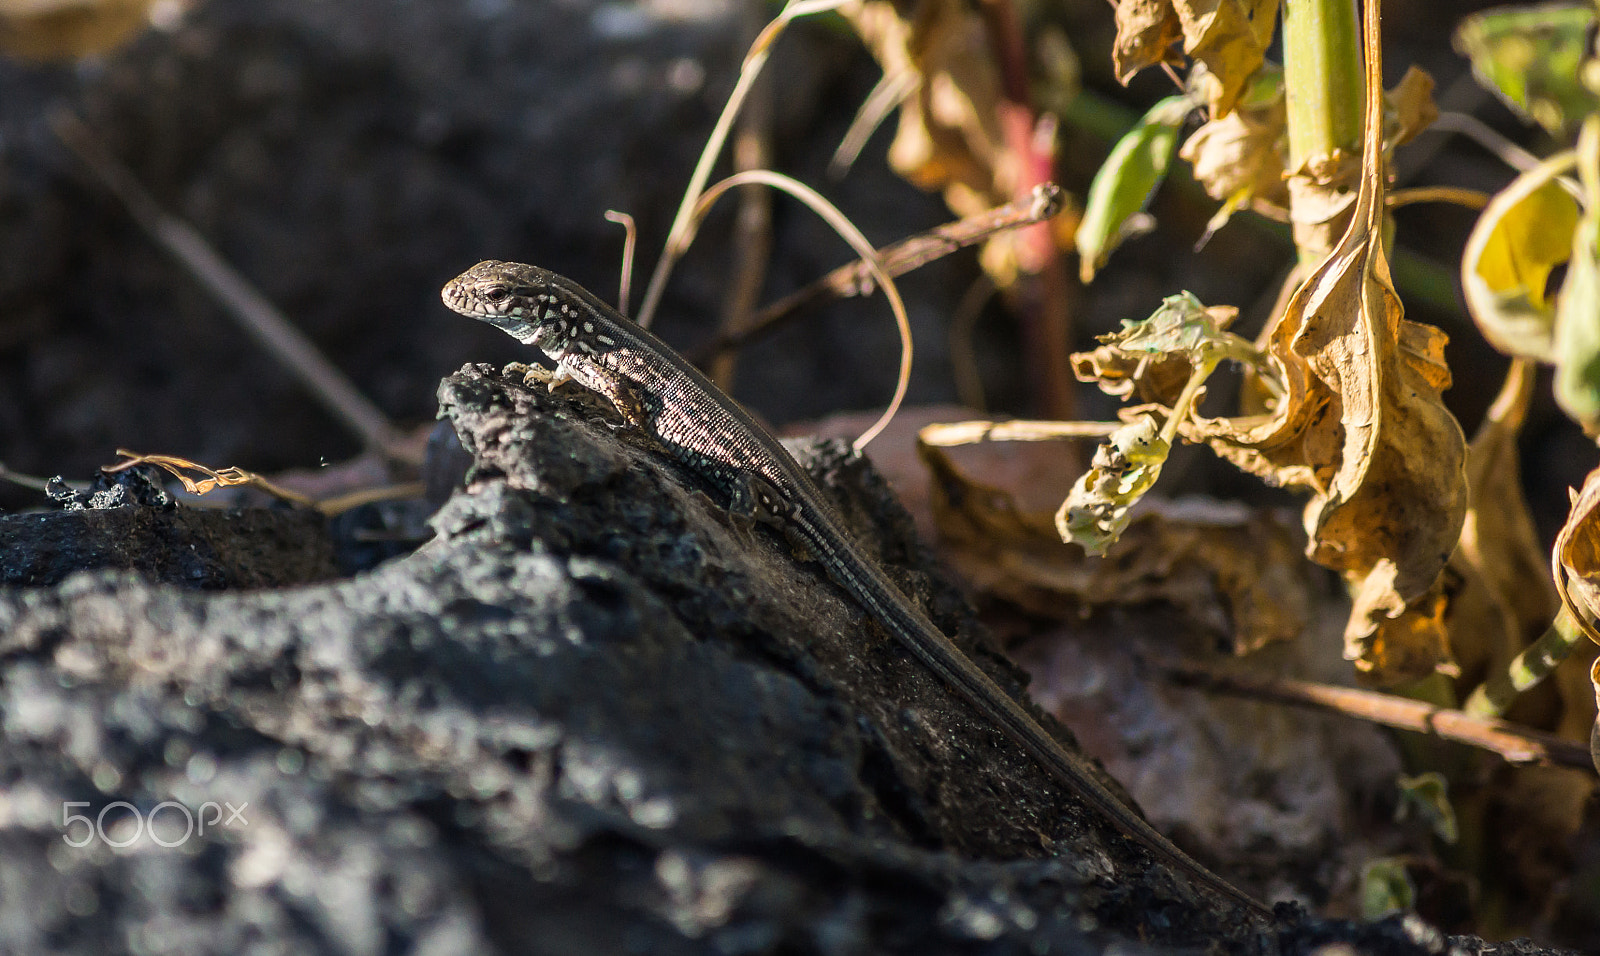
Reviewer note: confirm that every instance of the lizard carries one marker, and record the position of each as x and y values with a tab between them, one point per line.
714	437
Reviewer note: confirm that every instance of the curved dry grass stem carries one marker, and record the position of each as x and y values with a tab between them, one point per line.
630	242
682	231
849	233
1517	744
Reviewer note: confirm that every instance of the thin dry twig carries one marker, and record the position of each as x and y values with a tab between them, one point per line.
231	477
270	328
1457	195
855	278
1516	744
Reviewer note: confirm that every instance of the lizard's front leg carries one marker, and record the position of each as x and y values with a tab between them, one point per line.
597	378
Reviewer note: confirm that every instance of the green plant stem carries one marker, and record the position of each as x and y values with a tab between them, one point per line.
1322	75
1322	78
1530	667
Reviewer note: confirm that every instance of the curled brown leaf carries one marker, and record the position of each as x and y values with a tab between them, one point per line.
1576	559
1243	152
1221	563
1362	424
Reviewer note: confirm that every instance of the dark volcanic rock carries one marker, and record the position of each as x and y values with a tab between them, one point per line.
595	714
127	523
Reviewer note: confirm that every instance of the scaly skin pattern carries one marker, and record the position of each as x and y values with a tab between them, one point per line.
715	438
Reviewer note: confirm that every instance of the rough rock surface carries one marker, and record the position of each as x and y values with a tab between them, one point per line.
128	523
595	714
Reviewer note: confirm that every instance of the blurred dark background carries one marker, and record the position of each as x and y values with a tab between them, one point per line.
350	157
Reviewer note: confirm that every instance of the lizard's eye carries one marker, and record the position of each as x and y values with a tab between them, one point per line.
496	293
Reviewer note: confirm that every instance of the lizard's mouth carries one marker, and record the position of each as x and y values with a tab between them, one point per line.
454	299
463	301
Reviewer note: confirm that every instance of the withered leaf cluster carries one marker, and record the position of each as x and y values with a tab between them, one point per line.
1355	414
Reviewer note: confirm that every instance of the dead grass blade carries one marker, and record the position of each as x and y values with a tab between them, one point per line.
683	225
233	477
630	243
849	233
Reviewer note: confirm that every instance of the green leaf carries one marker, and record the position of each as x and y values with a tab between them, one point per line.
1428	795
1114	209
1098	510
1522	236
1185	326
1577	333
1533	56
1099	507
1386	888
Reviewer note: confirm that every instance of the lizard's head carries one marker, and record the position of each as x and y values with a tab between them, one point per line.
508	295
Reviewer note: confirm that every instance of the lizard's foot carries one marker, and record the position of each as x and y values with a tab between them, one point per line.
529	375
754	501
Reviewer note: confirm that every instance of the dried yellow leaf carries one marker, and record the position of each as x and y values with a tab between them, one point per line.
957	132
949	135
1412	106
1219	562
1362	424
1229	36
1401	646
1155	379
1243	151
69	29
1146	32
